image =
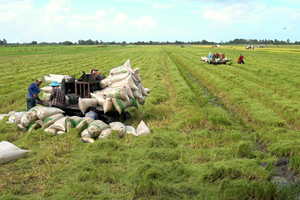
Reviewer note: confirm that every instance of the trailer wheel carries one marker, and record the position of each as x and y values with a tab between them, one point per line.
126	115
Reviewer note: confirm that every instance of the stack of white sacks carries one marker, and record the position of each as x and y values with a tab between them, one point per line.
52	121
121	89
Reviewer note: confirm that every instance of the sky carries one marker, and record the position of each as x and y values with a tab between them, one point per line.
24	21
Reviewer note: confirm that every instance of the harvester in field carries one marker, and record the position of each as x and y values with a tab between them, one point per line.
216	59
91	88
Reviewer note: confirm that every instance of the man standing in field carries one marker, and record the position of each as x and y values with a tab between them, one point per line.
33	92
57	97
241	59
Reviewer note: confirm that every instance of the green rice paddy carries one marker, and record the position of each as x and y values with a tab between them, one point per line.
217	131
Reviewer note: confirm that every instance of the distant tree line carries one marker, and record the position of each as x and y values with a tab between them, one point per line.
237	41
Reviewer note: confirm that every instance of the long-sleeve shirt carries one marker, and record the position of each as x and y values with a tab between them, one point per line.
92	114
33	89
57	97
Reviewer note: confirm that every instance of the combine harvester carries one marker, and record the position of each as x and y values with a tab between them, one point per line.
217	61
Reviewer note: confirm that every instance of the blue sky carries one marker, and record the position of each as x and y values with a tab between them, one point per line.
148	20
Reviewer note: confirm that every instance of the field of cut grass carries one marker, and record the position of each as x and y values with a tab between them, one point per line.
217	131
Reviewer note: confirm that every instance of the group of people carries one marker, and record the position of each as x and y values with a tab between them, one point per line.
57	97
216	55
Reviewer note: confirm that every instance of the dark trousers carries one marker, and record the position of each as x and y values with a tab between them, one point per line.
31	102
241	62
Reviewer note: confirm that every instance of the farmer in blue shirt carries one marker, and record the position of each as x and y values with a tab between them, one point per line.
33	92
92	114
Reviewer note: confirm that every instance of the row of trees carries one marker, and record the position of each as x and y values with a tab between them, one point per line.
203	42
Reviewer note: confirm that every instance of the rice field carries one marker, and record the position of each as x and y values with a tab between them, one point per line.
217	131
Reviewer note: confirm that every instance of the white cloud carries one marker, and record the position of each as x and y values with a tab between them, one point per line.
82	17
210	14
58	6
120	20
146	22
100	14
112	9
102	25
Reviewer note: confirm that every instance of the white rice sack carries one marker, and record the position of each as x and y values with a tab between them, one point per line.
3	115
51	131
46	96
59	125
118	126
96	127
137	74
104	134
46	112
142	100
16	117
69	125
26	122
32	113
99	98
137	94
147	90
60	132
83	123
49	80
142	89
142	129
87	140
135	80
106	82
74	120
108	105
130	130
85	103
120	93
22	127
33	126
46	89
85	134
125	68
50	120
120	104
10	152
129	92
128	81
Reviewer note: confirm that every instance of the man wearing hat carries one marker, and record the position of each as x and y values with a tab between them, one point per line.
33	92
92	113
57	97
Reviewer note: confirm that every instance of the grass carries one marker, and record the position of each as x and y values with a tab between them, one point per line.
212	126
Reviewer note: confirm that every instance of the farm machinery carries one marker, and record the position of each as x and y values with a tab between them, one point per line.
219	60
82	88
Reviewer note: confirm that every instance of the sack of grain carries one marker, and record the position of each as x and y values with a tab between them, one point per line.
46	89
108	105
74	120
46	96
69	125
120	104
142	129
50	120
32	113
83	123
26	122
46	112
125	68
22	127
99	98
104	133
137	94
130	130
33	126
59	125
142	89
51	131
16	117
10	152
128	81
120	93
96	127
142	100
85	103
85	134
137	74
118	126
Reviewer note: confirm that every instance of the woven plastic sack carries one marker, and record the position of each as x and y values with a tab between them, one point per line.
33	126
59	125
108	105
118	126
120	104
46	112
99	98
104	134
16	117
120	93
50	120
125	68
85	103
96	127
130	130
83	123
32	113
128	81
10	152
51	131
142	129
